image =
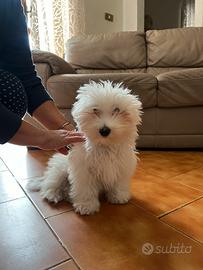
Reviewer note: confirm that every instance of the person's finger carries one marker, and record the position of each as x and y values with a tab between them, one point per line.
74	139
75	133
69	127
71	133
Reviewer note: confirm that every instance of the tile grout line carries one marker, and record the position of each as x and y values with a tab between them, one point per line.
27	194
5	165
175	229
11	200
179	207
17	182
6	170
44	219
144	209
188	186
65	211
48	225
58	264
17	179
50	228
182	233
60	241
167	178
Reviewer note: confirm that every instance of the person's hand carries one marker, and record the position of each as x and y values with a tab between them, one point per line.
58	139
64	150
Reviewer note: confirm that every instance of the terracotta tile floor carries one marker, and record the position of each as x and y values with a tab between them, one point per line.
161	227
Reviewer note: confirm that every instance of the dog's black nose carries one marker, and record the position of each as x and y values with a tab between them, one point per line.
105	131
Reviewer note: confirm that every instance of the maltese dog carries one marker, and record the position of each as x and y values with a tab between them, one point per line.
108	115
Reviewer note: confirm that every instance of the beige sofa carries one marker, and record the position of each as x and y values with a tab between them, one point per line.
163	67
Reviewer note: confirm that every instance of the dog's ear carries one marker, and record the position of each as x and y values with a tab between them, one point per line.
75	111
135	107
137	102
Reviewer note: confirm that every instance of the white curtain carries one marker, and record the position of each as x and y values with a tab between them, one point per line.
52	22
187	13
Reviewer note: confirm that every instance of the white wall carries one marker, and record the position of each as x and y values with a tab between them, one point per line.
198	12
133	15
94	12
128	15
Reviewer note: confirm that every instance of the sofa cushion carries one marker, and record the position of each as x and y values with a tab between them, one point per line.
63	87
180	88
182	47
108	51
155	71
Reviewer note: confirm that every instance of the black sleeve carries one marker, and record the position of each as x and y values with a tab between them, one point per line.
10	123
15	54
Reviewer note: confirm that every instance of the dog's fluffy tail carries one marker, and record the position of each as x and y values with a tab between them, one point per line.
35	184
54	175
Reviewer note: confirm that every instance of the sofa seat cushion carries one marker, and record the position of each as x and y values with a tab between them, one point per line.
155	71
181	47
120	50
63	87
180	88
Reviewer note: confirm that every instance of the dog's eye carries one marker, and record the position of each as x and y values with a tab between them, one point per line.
116	110
96	111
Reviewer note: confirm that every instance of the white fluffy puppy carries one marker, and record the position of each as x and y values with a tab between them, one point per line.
108	115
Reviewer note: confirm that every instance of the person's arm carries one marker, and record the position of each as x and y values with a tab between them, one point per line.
16	131
44	139
15	54
49	115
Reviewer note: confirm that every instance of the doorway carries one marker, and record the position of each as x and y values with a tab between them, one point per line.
161	14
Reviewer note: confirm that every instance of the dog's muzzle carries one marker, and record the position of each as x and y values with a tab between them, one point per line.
105	131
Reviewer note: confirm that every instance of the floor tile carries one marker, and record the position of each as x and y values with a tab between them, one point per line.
167	164
188	219
193	178
9	188
158	195
23	163
46	209
114	238
70	265
2	166
26	240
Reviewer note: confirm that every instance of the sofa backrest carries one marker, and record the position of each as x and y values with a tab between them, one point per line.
155	52
115	51
180	47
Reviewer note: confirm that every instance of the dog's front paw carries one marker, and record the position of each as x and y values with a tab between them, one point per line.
119	198
87	208
52	195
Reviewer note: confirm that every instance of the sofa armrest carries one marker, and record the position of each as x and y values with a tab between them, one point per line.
56	63
44	72
48	64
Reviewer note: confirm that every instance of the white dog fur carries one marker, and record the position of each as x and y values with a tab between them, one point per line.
108	115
